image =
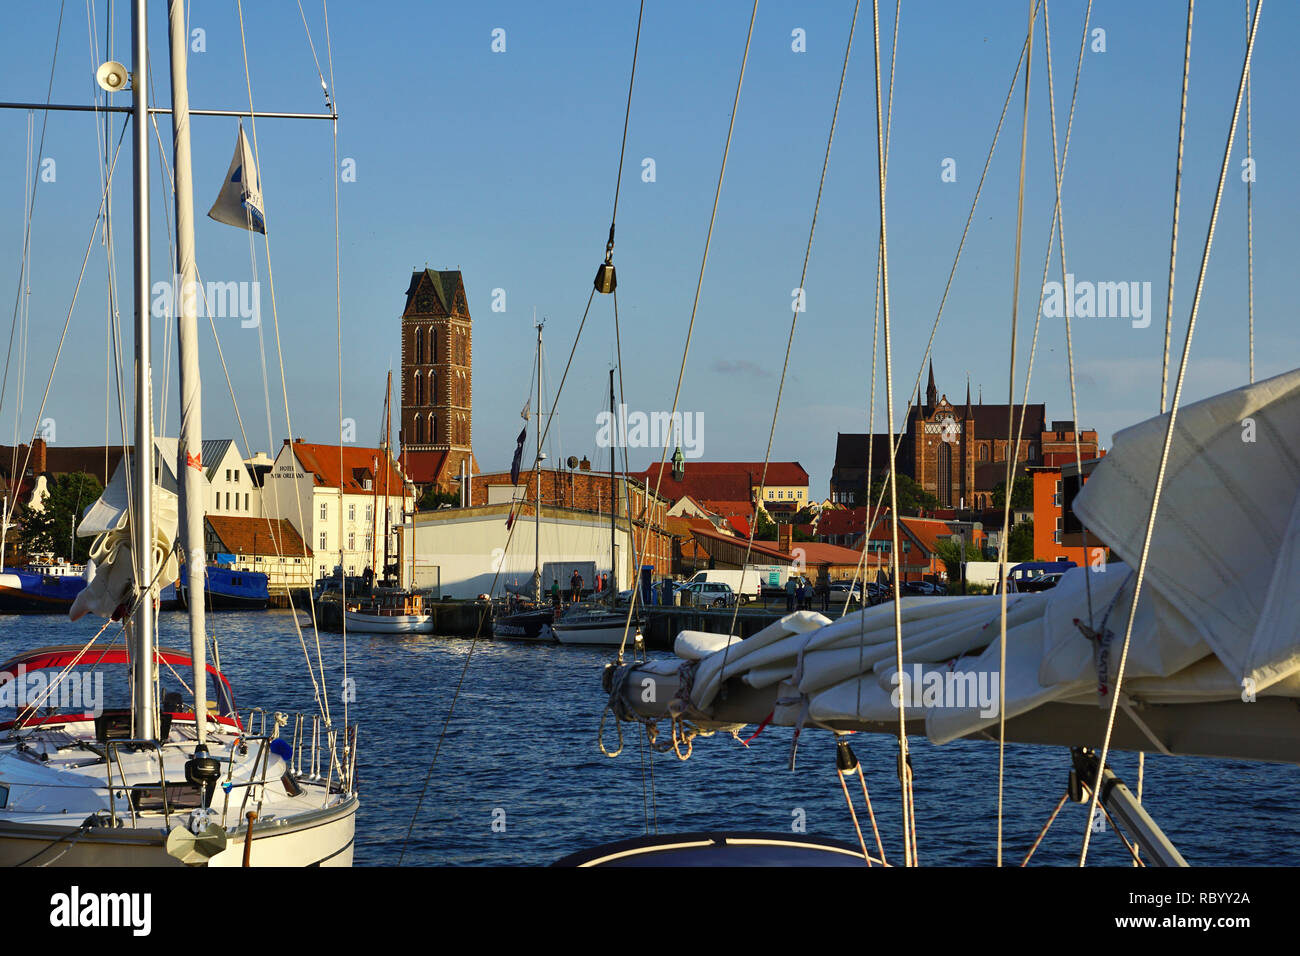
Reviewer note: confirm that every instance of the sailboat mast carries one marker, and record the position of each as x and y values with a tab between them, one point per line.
537	472
189	465
613	494
142	620
388	471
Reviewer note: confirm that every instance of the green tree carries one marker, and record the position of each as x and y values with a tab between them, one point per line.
912	498
433	499
764	528
49	529
949	551
1022	493
1020	542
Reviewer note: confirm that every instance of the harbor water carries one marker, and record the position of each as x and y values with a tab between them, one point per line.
518	779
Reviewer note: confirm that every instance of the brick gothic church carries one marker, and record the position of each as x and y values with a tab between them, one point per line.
955	452
437	378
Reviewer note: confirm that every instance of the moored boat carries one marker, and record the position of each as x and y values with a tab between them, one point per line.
385	611
80	792
532	623
587	624
41	588
227	589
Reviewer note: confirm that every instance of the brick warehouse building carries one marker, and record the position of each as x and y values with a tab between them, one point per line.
957	453
437	380
588	491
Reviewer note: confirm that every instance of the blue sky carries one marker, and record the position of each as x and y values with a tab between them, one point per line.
503	165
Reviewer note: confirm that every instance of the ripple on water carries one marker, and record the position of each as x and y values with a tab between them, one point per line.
520	750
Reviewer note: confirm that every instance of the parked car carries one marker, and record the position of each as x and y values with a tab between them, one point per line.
846	589
1044	582
923	587
708	594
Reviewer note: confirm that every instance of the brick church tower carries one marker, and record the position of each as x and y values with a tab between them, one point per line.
437	379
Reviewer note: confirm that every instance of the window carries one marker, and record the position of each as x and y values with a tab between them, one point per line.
369	512
419	389
433	346
1061	557
1059	524
236	476
352	512
227	501
1058	484
1056	537
367	539
245	500
419	347
227	474
984	452
1056	500
323	545
324	512
236	501
352	541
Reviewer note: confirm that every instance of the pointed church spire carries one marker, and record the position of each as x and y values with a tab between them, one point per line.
968	408
931	393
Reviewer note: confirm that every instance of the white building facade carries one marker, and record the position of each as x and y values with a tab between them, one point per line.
336	499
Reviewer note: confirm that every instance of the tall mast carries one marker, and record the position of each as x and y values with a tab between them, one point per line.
190	446
374	522
537	472
613	495
388	471
142	620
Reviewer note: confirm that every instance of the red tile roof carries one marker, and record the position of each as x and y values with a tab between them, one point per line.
817	553
704	489
778	472
740	523
432	467
358	465
245	535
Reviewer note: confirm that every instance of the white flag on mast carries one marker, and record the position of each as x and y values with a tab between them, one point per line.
240	201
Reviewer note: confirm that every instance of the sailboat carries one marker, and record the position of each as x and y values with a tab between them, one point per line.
533	621
170	774
384	607
603	623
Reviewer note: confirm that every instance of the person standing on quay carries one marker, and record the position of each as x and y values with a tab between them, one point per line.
789	593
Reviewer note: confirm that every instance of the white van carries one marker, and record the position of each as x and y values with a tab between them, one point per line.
745	583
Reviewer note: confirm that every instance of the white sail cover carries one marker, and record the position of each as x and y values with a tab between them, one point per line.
240	201
1216	619
109	572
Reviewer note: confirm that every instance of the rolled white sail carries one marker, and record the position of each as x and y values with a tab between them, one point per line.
109	572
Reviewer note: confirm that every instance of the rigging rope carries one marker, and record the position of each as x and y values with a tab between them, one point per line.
542	435
335	175
699	285
1178	189
1250	226
322	696
794	320
1011	450
904	763
873	514
1169	433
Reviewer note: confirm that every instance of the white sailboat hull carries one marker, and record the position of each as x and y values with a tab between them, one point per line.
608	635
323	838
390	624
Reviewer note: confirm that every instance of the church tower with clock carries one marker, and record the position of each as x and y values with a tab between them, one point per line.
437	379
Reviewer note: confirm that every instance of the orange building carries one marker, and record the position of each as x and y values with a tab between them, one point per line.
1058	534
